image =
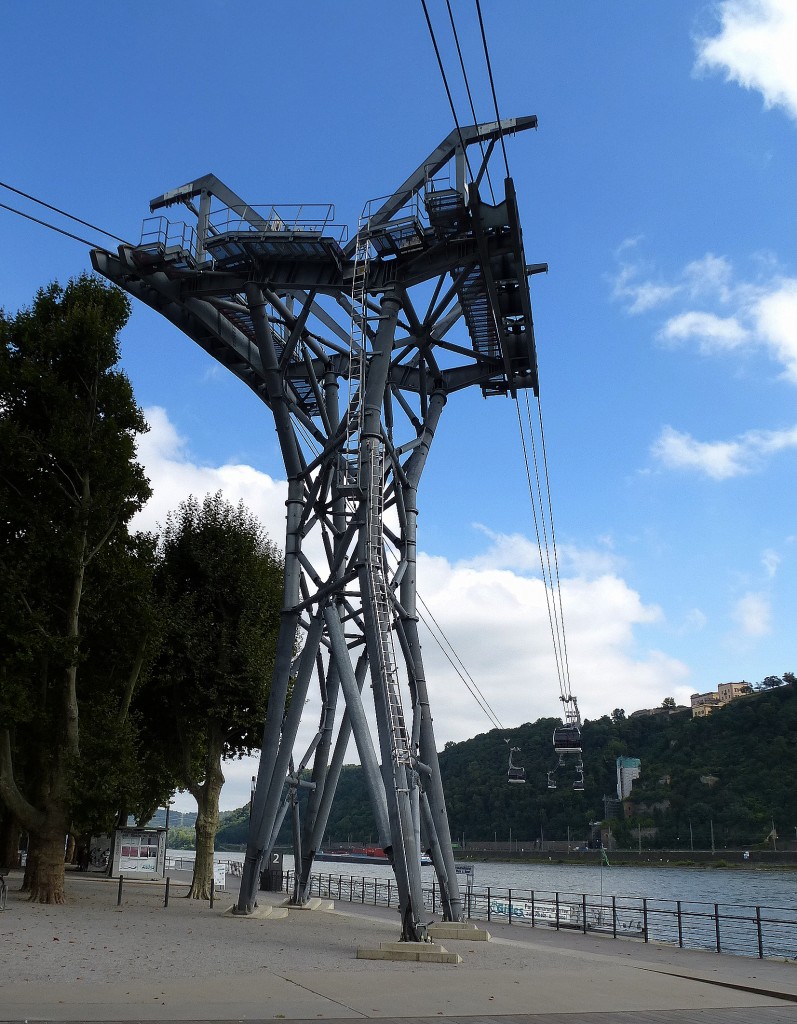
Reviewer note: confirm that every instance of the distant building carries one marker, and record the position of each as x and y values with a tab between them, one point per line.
647	712
628	769
730	691
704	703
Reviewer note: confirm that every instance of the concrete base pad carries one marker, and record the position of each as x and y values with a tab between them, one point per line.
259	913
417	952
458	930
312	904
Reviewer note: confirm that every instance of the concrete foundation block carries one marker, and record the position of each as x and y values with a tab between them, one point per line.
458	930
415	952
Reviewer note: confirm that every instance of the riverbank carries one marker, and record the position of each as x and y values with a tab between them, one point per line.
651	858
92	960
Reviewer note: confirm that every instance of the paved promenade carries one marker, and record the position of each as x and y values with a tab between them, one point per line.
92	960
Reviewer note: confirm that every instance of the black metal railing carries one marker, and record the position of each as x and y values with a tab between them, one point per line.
740	929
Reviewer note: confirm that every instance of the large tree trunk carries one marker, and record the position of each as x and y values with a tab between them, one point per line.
44	871
207	821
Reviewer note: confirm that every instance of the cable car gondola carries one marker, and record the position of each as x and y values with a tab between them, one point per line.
567	739
515	773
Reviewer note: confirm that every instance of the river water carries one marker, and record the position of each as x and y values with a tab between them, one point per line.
750	886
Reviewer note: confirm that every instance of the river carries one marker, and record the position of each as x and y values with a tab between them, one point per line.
750	886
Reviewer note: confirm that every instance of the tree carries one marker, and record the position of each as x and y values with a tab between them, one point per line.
219	584
618	715
668	702
770	682
69	485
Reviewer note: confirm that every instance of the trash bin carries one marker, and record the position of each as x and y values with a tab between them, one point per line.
271	876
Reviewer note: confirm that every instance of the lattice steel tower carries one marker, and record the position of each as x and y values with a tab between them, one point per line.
330	334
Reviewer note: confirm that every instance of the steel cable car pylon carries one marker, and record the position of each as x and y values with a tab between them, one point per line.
261	289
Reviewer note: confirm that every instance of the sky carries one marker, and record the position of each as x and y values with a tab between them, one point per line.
659	188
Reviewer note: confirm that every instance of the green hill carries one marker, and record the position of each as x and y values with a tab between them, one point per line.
733	770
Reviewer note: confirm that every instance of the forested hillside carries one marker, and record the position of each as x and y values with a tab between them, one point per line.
735	769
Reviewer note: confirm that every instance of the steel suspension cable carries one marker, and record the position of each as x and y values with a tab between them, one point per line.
445	84
467	89
492	83
553	532
553	573
552	619
52	227
63	213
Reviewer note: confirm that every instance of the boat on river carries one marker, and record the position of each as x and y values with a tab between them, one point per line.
360	855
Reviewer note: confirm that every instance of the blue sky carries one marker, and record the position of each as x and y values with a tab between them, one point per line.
660	190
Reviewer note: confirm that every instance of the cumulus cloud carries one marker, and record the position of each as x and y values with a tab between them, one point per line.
775	317
175	475
713	333
499	625
493	609
755	47
721	460
752	614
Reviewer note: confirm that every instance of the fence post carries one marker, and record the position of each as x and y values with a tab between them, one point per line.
758	929
119	894
680	926
212	891
557	910
645	917
584	911
614	917
717	925
388	892
470	891
532	908
166	894
510	906
434	897
489	903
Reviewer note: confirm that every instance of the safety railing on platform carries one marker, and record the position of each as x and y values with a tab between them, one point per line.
740	929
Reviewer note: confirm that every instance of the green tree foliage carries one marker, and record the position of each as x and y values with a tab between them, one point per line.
219	588
733	769
74	582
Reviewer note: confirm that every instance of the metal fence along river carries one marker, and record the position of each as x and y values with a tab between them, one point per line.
741	929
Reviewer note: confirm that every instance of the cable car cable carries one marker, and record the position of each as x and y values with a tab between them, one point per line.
63	213
445	84
467	89
492	83
52	227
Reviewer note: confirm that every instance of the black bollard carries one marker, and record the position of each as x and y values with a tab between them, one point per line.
212	891
119	894
166	896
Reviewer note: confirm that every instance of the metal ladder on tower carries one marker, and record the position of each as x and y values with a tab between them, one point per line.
355	465
380	598
349	471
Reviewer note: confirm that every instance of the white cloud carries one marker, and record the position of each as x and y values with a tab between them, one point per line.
775	316
174	476
755	47
710	275
771	562
640	296
721	460
492	609
752	614
498	624
713	333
